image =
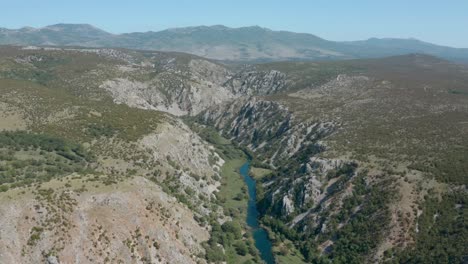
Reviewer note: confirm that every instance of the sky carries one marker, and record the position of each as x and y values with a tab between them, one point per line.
436	21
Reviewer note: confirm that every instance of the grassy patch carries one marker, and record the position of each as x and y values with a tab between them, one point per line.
233	185
259	173
233	235
287	253
233	197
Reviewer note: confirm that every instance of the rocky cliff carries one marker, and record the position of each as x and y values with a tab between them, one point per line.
343	150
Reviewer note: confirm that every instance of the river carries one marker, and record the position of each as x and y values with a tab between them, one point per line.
262	242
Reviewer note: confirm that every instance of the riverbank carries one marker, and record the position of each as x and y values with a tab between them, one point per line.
233	198
238	199
262	242
283	249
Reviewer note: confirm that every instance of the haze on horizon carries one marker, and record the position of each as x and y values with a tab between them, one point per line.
431	21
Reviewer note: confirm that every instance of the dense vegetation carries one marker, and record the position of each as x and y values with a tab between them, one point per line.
229	236
27	158
355	228
442	235
364	227
451	167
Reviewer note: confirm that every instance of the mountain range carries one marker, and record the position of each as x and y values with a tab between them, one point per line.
245	44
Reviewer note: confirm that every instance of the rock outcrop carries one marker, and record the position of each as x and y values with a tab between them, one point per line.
134	221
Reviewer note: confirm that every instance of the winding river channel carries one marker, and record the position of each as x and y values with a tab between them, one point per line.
262	242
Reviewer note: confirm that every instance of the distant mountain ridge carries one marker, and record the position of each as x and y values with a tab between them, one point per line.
229	44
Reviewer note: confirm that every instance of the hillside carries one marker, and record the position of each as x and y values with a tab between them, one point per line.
247	44
117	155
86	178
346	142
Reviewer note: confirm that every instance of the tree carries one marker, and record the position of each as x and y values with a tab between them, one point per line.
241	248
234	228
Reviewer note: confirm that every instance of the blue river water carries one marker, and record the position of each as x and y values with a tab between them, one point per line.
262	242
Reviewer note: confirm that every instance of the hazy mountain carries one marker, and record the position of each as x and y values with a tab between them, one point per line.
231	44
59	34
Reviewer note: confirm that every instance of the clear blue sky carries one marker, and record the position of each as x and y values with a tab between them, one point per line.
437	21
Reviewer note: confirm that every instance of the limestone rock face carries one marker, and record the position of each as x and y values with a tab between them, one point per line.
251	82
288	206
284	141
52	260
267	127
191	88
132	221
176	91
